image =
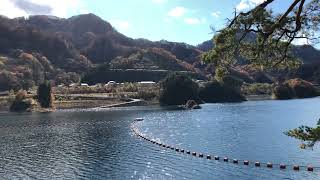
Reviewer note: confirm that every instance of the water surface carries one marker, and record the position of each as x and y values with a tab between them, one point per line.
98	144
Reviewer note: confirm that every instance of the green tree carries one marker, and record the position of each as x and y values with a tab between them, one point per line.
307	134
44	94
215	91
264	39
177	89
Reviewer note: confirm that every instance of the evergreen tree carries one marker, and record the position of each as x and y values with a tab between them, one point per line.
44	94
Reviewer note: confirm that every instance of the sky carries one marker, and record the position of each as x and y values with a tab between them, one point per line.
188	21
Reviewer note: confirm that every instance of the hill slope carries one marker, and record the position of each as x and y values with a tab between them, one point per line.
47	47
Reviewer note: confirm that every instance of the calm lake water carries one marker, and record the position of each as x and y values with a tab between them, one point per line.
98	144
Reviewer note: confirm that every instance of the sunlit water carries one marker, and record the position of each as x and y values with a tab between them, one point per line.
98	144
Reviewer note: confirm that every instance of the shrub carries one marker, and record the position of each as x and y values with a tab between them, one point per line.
302	88
295	88
147	95
45	96
177	89
214	92
282	92
21	102
257	89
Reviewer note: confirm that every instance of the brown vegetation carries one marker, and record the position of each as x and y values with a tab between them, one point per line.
295	88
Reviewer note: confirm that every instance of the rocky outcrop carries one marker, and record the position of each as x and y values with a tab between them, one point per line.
192	104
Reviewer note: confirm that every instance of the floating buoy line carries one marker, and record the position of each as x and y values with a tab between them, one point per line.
225	159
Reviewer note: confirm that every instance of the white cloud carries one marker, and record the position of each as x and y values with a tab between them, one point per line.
216	14
193	21
8	9
60	8
159	1
177	12
246	4
120	25
301	41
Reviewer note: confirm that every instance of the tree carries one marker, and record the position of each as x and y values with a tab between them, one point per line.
45	96
177	89
214	92
307	134
265	40
21	102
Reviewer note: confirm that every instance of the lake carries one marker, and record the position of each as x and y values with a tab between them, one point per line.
99	144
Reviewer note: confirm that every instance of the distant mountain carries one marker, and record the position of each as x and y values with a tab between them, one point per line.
77	44
47	47
308	54
206	46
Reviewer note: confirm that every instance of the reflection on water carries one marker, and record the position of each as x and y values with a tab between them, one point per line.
98	144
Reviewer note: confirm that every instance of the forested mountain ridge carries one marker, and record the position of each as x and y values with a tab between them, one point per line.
47	47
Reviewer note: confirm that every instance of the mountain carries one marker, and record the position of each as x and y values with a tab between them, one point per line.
75	45
63	50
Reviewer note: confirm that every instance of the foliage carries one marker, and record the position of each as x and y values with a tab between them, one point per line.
307	134
264	39
295	88
215	91
282	92
257	89
66	78
45	95
21	102
177	89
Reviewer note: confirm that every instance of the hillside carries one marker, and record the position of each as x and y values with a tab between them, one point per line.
63	50
75	45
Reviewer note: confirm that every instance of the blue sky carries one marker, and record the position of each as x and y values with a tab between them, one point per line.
174	20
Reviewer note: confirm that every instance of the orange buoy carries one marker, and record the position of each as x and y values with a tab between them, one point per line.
257	164
269	165
310	168
246	162
282	166
225	159
296	168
